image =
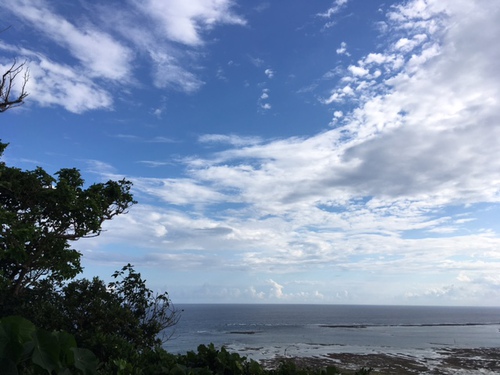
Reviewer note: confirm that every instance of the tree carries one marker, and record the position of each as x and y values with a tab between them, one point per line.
115	321
122	322
7	84
40	214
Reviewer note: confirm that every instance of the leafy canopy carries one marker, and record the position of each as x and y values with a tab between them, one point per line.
40	214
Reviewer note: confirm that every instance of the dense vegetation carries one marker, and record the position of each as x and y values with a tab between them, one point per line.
53	323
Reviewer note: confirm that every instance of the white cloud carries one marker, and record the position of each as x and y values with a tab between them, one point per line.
233	140
160	139
154	163
336	7
52	84
357	70
182	21
473	288
99	167
99	53
376	194
334	97
111	46
276	289
406	45
264	96
269	73
179	191
168	73
254	294
342	50
347	90
256	61
377	58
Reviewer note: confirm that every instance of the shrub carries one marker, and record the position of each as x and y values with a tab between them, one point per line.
26	349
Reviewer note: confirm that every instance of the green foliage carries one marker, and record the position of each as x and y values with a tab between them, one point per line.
40	214
217	361
26	349
153	312
208	360
120	320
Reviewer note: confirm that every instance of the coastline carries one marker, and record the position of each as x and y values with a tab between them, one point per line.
444	361
390	339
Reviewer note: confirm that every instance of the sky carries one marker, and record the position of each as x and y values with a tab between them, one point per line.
330	152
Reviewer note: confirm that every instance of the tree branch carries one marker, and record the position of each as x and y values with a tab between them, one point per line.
7	83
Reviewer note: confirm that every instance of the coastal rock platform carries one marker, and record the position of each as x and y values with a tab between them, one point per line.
485	361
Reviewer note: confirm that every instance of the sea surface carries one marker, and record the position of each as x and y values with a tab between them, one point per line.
265	331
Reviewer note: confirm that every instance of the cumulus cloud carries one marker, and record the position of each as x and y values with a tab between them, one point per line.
470	287
376	193
342	50
358	70
269	73
263	100
254	294
276	289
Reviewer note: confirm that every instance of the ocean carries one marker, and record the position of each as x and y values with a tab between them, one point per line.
265	331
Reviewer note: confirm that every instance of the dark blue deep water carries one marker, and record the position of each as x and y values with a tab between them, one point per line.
261	331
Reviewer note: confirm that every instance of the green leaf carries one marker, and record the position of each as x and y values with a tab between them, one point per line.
15	333
47	350
22	327
85	361
66	343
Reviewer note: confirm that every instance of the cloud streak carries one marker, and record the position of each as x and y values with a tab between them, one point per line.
97	51
105	49
183	22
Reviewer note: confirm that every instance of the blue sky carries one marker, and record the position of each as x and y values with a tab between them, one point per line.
281	152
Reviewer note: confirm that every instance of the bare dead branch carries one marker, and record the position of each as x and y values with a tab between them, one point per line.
7	83
7	28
